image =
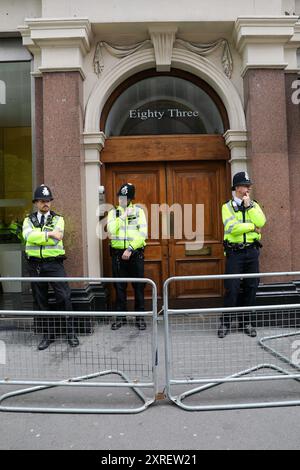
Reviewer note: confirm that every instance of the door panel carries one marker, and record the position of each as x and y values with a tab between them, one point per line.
197	183
164	148
149	181
192	289
174	182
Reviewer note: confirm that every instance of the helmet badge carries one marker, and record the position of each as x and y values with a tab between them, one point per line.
124	191
45	191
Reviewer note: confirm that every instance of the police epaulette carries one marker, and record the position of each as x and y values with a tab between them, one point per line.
33	218
117	211
55	214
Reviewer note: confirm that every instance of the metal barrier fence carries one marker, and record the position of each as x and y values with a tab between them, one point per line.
128	355
237	365
194	356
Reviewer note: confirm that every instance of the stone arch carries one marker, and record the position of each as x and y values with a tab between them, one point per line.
185	60
94	138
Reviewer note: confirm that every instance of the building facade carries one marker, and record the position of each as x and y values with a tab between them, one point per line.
172	97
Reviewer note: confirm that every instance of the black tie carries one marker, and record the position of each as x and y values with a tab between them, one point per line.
42	221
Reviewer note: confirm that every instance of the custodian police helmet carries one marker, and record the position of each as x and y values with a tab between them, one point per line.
241	179
42	192
127	190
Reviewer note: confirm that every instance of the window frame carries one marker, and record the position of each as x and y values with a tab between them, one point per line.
173	73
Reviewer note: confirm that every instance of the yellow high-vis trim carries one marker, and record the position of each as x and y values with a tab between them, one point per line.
38	244
235	228
130	231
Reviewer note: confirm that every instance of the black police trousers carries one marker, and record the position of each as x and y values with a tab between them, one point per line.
51	326
134	267
241	262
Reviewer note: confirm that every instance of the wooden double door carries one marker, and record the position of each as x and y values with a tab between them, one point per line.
169	251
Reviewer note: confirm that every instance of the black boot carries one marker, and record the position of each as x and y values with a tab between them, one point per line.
223	331
73	341
45	343
120	321
140	323
250	330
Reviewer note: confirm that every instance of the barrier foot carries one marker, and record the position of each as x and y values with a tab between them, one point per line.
72	382
177	400
275	353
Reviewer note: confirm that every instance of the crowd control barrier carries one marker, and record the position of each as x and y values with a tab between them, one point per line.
119	368
205	372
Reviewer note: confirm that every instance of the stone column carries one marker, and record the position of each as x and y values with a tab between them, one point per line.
93	144
39	139
292	81
264	46
59	47
237	143
265	106
63	160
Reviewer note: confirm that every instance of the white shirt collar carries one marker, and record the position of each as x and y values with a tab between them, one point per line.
39	216
238	200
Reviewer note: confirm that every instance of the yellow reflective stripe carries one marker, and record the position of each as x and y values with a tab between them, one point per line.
26	233
53	247
44	247
119	244
130	228
57	225
229	219
132	225
122	238
230	207
230	228
27	229
126	229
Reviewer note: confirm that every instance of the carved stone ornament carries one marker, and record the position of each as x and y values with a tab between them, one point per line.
201	49
205	49
117	51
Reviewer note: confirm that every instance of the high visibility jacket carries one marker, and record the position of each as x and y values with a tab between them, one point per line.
15	228
132	231
240	223
38	245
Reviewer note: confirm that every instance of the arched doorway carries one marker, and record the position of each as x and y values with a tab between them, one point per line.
165	135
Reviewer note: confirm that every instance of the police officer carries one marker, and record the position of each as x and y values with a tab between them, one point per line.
127	229
243	219
43	233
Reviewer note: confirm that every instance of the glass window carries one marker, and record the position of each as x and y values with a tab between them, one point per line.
164	105
15	148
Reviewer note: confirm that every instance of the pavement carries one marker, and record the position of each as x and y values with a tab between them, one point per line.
195	350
